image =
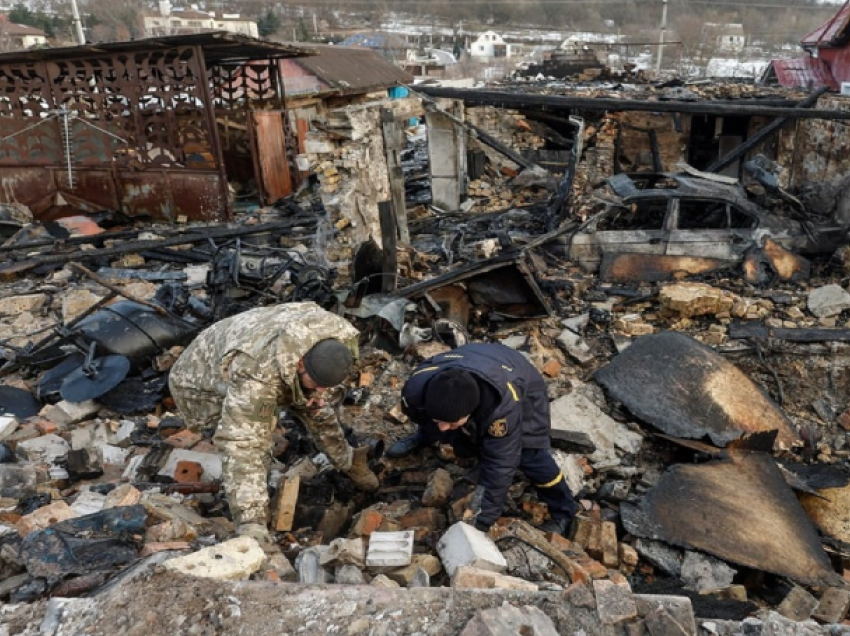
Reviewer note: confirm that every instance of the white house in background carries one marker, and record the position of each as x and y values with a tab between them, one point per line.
19	36
181	22
723	37
490	45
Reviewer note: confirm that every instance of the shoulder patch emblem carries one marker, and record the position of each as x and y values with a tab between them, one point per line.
499	428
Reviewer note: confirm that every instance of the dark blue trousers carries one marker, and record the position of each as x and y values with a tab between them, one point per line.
538	465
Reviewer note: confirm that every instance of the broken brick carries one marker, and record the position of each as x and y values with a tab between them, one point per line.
188	472
183	439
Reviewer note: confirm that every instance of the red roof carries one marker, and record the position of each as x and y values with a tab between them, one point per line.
830	31
804	71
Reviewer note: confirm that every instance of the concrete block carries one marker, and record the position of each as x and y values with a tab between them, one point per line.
123	495
439	489
344	552
702	572
574	412
833	605
76	302
8	425
114	455
210	462
679	608
65	413
44	449
798	605
464	545
429	563
88	502
390	549
467	576
575	347
510	620
233	560
660	623
348	575
829	300
17	480
309	568
382	580
16	305
44	517
614	603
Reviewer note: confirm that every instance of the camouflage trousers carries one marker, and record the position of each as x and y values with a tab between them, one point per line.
244	418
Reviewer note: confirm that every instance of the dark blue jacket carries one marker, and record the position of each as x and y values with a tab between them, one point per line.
517	417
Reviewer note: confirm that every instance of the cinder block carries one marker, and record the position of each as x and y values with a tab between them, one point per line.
464	545
390	549
233	560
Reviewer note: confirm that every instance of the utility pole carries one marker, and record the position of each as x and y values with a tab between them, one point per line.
661	37
78	24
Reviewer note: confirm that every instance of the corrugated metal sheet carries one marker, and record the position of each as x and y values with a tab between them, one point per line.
804	71
831	31
350	69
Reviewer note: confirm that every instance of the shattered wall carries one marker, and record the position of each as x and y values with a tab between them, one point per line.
816	150
508	127
632	129
347	155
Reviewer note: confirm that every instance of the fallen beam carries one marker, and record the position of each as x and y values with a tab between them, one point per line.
522	100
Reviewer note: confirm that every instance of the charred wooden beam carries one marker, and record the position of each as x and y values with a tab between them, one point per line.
563	102
790	334
768	131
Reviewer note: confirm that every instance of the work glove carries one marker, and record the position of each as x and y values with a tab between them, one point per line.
473	509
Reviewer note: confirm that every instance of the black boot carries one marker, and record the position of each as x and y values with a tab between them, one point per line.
405	446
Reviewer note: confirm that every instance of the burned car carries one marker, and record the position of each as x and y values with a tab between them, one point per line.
681	215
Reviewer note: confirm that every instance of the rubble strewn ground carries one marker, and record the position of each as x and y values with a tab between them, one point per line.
711	468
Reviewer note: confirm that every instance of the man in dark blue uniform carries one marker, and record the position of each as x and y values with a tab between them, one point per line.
487	400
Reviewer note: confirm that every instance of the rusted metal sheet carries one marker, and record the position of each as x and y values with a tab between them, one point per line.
103	122
272	155
803	71
761	266
688	390
166	194
740	510
830	32
651	268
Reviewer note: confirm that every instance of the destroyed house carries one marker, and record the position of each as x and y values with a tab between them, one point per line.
827	59
153	128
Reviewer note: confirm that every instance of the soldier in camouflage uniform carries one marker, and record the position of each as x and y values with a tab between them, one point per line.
236	375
